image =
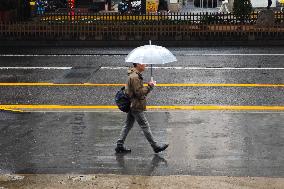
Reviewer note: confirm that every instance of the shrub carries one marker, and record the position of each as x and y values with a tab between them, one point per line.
242	9
211	19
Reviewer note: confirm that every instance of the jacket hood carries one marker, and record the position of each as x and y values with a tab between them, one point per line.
132	70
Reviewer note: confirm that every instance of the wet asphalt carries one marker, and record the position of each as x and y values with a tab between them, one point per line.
209	143
201	143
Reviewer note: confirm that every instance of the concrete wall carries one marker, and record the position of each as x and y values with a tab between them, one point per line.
259	3
262	3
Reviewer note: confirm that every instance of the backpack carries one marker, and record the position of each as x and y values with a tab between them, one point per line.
122	100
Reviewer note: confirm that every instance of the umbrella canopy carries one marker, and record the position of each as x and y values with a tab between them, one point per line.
150	54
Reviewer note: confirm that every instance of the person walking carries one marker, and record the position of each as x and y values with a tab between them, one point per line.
137	92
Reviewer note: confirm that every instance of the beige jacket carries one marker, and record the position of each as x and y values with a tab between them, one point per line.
136	91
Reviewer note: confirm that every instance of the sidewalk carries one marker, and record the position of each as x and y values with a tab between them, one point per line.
136	182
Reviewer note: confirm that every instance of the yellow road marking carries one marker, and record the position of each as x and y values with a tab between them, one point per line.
158	85
12	110
88	107
64	84
218	85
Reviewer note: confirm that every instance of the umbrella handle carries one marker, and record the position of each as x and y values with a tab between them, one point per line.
151	70
152	78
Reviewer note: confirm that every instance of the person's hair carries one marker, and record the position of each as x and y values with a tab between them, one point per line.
134	64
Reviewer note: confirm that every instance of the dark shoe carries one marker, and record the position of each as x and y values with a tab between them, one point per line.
161	148
122	149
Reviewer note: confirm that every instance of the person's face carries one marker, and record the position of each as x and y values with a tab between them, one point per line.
141	67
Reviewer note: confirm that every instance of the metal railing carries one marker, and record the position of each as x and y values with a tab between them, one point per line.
201	17
139	27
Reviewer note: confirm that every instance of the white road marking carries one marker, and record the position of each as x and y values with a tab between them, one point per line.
33	68
125	67
193	68
88	55
234	54
57	55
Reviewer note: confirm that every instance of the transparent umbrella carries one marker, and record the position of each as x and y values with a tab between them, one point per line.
150	54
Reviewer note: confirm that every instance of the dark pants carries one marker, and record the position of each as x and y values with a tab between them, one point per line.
140	117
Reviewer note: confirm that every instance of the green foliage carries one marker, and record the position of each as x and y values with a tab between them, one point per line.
242	9
129	22
163	5
210	19
216	18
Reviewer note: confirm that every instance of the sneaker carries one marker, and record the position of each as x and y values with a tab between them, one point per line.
161	148
122	149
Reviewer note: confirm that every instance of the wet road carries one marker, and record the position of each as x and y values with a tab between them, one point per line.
233	143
